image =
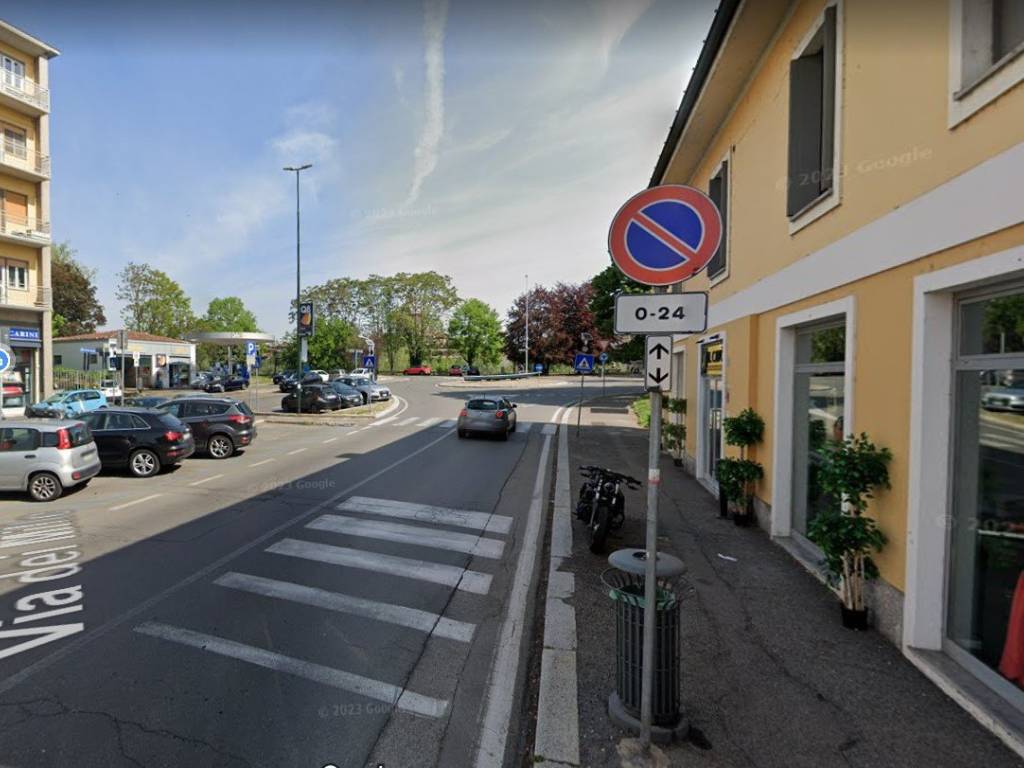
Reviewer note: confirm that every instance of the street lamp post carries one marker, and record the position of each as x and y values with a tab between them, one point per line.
297	170
526	348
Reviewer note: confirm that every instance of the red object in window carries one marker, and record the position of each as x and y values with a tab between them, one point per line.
1011	666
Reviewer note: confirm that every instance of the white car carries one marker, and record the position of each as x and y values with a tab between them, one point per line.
324	376
362	372
110	389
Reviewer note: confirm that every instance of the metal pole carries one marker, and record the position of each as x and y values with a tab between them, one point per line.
602	379
526	364
298	295
579	410
650	575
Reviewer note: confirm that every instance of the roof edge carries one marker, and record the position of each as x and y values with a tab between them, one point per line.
34	44
724	16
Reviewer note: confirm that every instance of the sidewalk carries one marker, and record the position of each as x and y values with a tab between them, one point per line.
769	675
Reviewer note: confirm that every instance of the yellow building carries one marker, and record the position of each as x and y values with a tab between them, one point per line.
25	297
868	156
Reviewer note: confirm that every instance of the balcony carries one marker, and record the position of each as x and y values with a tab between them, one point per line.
18	161
39	298
24	230
23	94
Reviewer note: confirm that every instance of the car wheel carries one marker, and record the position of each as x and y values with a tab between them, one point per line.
45	486
462	433
504	436
220	446
514	425
144	463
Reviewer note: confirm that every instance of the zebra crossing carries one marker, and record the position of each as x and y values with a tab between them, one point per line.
348	537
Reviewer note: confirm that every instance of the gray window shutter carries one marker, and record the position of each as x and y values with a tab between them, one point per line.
805	76
1007	27
828	99
718	191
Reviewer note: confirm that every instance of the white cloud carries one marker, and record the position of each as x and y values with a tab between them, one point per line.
435	16
305	146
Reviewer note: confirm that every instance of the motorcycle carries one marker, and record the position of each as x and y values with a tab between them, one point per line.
601	504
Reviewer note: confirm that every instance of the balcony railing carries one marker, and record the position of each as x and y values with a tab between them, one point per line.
24	227
41	297
25	90
18	156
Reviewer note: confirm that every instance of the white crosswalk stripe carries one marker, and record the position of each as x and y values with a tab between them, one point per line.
410	534
407	422
424	621
386	420
375	689
421	570
424	513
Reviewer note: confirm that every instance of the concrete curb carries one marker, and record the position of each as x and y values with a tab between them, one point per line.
349	420
557	738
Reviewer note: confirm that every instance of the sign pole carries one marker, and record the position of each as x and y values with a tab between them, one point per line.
650	574
579	409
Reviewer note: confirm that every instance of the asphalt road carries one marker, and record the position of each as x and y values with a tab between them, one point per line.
295	605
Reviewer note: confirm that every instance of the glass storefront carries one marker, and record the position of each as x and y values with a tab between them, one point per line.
711	381
818	401
985	610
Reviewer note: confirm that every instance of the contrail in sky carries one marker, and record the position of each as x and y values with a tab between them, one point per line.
435	16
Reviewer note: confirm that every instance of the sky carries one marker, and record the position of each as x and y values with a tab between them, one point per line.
485	140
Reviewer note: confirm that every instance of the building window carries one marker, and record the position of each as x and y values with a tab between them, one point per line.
58	360
986	40
15	209
15	143
718	191
812	118
985	595
17	275
819	399
14	72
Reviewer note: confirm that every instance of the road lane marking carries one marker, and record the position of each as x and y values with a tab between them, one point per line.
383	421
525	427
500	694
422	570
330	439
432	421
364	686
297	450
425	513
424	621
549	429
470	584
260	463
447	424
137	501
410	534
407	422
206	480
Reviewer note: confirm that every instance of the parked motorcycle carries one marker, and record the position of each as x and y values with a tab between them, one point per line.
601	504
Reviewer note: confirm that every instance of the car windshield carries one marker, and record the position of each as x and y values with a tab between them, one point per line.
57	397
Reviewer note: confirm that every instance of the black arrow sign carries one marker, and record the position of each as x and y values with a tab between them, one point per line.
658	376
658	349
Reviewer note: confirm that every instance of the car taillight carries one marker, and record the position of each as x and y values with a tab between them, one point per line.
463	412
63	439
173	436
238	418
499	414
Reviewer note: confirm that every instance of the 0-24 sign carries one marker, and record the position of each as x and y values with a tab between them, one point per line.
658	313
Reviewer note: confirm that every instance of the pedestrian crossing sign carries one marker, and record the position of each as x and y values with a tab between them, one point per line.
583	363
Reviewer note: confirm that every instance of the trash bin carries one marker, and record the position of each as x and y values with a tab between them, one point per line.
625	582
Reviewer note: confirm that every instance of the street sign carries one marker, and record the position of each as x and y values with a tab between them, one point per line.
658	372
661	312
6	357
603	358
583	363
257	362
250	349
538	367
665	234
369	361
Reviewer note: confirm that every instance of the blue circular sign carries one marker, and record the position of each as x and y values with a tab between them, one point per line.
5	359
604	357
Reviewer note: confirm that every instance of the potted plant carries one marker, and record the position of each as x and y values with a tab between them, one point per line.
675	432
740	474
850	471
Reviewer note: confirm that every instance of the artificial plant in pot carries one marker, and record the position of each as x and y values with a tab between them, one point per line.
736	476
850	471
675	433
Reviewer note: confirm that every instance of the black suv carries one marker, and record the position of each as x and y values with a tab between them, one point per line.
226	384
144	440
220	425
316	398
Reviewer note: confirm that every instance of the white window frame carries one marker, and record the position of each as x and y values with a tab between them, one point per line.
786	328
826	202
702	474
9	76
7	263
967	98
726	160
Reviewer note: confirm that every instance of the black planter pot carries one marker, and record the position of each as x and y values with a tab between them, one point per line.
677	462
745	518
853	619
723	504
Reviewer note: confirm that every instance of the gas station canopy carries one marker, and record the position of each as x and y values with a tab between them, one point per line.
230	338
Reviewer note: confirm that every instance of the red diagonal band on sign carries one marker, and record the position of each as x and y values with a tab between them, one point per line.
654	229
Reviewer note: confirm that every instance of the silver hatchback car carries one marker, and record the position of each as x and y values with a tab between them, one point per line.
490	414
45	456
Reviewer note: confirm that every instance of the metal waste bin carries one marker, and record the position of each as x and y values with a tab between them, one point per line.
625	582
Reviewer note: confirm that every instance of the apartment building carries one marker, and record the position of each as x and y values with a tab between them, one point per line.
868	160
25	300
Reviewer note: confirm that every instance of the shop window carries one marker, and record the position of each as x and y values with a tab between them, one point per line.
812	118
985	610
718	191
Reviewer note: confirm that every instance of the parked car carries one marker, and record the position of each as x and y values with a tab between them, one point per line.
348	396
15	401
308	380
489	414
143	440
45	456
111	390
471	370
417	370
361	372
335	374
324	376
316	398
149	401
276	378
220	425
371	390
226	384
201	379
68	403
455	370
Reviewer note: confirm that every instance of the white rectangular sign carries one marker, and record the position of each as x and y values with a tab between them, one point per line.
661	312
658	371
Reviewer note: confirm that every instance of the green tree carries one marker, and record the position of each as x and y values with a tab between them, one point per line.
427	299
380	304
154	303
229	314
328	346
475	332
75	306
605	285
